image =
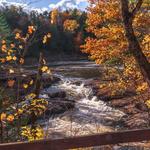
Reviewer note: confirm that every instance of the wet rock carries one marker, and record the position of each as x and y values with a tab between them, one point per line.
139	120
141	106
105	95
49	80
121	102
55	92
78	83
58	106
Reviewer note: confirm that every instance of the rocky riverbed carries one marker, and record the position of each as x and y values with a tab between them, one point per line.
78	107
90	110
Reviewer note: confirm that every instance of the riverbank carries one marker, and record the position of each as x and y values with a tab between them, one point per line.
131	104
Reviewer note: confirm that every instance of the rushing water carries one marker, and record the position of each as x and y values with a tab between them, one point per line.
90	114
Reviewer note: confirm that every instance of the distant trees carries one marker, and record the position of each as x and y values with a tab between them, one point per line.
53	22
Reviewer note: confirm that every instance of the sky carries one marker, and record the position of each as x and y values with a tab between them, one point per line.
47	4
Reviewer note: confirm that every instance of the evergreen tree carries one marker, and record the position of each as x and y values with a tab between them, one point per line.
4	28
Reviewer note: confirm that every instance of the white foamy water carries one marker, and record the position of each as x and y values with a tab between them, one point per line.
89	116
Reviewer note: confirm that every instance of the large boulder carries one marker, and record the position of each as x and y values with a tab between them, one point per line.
54	92
58	106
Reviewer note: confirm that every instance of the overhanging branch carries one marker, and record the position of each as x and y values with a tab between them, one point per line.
136	9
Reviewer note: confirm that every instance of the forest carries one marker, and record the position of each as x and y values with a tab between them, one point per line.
73	72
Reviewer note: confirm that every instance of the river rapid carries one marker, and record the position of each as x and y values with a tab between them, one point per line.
90	115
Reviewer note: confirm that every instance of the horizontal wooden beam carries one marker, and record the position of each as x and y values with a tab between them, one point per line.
82	141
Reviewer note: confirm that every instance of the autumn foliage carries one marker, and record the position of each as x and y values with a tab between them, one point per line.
16	109
108	43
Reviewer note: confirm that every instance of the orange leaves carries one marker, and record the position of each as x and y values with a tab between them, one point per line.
12	45
143	87
10	118
21	61
105	23
54	15
31	29
107	41
4	117
2	60
70	25
3	48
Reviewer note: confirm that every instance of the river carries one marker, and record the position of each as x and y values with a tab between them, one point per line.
90	115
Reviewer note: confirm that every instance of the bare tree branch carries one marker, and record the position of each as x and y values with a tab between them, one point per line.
136	9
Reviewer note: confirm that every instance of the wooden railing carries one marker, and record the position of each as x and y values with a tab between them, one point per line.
82	141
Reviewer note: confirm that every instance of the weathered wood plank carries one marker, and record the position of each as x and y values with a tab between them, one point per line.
83	141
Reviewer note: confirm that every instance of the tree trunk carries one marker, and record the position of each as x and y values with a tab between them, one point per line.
39	76
134	46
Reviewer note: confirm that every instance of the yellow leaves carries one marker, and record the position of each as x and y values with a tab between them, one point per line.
25	86
46	37
142	87
44	68
20	111
11	83
31	82
8	58
14	58
12	54
28	84
32	134
38	106
49	35
20	46
148	103
30	96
